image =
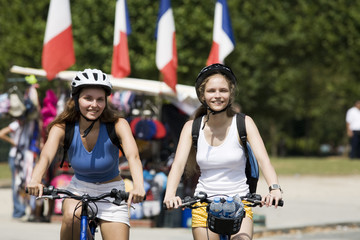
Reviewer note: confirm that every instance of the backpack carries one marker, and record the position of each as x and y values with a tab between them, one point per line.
252	168
69	134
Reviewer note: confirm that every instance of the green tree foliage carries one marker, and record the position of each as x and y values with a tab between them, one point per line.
296	61
293	58
21	35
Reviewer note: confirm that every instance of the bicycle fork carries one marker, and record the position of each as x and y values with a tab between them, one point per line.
84	222
83	230
224	237
85	233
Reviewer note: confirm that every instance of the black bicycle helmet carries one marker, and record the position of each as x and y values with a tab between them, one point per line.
210	70
207	71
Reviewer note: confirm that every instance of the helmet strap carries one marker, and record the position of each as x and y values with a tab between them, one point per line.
77	108
87	131
210	111
216	112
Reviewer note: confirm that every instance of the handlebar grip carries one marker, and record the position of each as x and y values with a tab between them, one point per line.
124	195
187	202
166	208
46	190
280	203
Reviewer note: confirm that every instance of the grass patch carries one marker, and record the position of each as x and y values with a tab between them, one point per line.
326	166
5	172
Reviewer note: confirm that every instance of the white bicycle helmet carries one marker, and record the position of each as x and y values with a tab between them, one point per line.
91	77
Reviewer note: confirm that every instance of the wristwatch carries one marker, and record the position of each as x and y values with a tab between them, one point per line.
275	187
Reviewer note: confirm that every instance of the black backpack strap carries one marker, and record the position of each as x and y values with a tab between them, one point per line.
195	131
241	126
110	127
69	133
240	122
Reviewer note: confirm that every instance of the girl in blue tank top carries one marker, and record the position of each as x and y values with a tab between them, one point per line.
94	158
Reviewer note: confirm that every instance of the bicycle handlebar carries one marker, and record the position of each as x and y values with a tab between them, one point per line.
253	199
54	193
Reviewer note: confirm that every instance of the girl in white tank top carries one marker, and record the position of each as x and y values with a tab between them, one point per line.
220	157
222	167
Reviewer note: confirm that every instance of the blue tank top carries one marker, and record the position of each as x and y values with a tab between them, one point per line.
99	165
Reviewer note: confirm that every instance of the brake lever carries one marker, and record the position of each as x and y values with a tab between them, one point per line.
51	197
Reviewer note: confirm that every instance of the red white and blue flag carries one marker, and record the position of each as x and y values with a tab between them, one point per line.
223	38
166	54
58	50
120	67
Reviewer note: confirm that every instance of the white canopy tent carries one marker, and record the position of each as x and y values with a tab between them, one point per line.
185	97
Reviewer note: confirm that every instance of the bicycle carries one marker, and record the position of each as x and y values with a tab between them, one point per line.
88	218
225	227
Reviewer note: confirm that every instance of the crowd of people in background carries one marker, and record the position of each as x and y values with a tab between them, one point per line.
24	136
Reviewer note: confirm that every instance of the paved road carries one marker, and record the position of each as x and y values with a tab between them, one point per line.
339	234
310	203
17	230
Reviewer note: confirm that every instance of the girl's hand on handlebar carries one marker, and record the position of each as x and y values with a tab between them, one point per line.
35	189
136	195
172	202
272	198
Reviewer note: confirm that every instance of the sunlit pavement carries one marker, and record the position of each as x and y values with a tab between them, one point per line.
315	208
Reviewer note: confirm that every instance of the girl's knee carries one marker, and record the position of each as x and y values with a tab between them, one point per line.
241	236
68	217
70	226
68	211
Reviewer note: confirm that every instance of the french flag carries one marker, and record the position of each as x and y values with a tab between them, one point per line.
120	67
166	54
223	38
58	50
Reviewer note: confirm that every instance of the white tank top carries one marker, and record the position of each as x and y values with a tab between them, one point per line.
222	168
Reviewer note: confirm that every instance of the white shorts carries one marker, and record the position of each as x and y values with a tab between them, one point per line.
106	210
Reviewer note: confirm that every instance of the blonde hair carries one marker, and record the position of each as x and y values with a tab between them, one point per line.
192	168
